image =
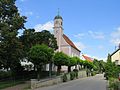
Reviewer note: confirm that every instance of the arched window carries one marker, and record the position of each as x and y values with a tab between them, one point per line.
61	23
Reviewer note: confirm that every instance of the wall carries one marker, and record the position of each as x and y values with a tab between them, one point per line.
116	56
75	52
51	81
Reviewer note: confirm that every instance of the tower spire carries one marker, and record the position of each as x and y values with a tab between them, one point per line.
58	11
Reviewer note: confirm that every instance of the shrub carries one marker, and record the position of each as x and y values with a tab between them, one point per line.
75	70
5	74
93	73
64	77
72	75
76	73
114	84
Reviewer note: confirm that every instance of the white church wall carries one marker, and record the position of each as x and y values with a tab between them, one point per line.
75	52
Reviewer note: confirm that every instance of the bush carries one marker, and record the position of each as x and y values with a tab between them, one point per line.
93	73
75	70
5	74
76	73
114	84
72	75
64	77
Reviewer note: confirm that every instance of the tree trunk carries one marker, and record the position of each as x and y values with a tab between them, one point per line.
69	68
59	69
38	72
50	69
75	66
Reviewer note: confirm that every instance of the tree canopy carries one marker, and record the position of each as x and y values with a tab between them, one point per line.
10	22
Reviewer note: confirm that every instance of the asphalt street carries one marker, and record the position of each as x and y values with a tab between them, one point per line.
89	83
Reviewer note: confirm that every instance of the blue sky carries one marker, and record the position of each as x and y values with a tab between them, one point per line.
93	25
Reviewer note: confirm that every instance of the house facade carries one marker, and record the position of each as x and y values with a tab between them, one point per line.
115	56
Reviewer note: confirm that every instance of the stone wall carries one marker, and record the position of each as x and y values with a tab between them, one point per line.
51	81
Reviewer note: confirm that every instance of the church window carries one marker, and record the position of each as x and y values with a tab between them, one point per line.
61	23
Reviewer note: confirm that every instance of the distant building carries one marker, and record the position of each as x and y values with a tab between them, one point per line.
65	45
88	58
115	56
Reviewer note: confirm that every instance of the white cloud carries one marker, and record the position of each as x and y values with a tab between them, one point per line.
101	47
96	35
47	26
80	45
30	13
80	35
115	36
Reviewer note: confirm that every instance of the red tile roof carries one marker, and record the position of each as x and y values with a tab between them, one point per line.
70	42
88	58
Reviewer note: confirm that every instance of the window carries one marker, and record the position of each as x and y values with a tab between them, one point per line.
61	23
116	62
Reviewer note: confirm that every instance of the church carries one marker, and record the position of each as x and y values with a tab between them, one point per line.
65	45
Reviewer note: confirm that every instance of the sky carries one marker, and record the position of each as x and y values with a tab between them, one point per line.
93	25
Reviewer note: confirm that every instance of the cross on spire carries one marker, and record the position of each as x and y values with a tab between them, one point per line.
58	11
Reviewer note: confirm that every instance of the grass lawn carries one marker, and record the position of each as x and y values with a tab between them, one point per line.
5	84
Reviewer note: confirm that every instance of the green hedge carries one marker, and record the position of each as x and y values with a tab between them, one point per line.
64	78
4	75
114	84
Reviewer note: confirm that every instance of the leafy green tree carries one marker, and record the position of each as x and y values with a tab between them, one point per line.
31	38
72	62
99	65
60	59
27	40
111	69
40	55
10	22
88	65
77	59
80	62
45	37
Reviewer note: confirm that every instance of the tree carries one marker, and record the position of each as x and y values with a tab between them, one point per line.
88	65
40	55
10	23
27	40
72	62
60	59
45	37
111	69
31	38
80	62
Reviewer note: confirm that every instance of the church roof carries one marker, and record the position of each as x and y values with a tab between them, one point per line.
88	58
58	17
70	42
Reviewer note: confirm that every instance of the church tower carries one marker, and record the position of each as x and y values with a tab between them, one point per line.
58	30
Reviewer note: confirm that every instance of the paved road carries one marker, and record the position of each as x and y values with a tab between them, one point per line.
91	83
